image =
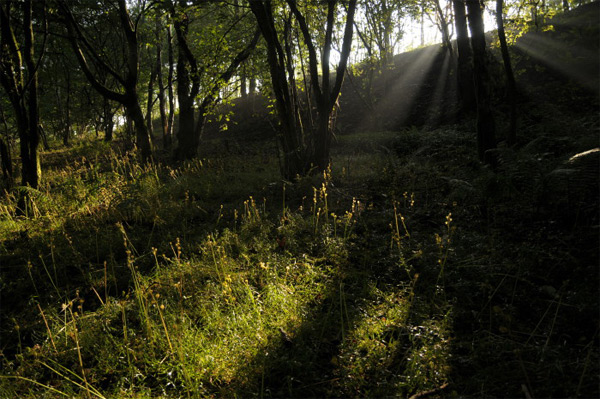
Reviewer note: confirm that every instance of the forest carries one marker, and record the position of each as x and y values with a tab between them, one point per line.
299	199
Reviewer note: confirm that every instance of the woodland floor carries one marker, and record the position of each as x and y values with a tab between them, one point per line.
409	267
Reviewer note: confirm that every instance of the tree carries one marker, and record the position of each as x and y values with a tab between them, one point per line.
486	130
466	90
5	157
442	21
378	25
301	153
19	78
166	124
127	79
510	77
195	80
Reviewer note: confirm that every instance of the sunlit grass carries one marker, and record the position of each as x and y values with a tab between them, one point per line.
179	311
215	278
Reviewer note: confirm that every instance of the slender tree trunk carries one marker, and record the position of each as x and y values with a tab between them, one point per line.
107	117
5	157
67	127
510	77
6	163
171	117
29	151
43	137
150	102
243	83
466	90
422	25
443	28
565	4
162	102
486	129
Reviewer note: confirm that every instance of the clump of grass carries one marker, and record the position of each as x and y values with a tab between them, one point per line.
200	320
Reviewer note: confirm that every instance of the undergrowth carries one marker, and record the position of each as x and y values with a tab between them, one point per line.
404	269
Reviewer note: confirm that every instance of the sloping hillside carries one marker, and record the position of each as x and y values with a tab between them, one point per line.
557	65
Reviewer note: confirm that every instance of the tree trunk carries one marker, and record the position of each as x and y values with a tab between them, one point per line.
243	83
6	163
422	24
29	149
67	127
107	119
466	90
486	130
510	77
142	137
289	135
443	27
323	141
326	95
187	142
5	157
188	86
150	102
171	117
21	86
162	102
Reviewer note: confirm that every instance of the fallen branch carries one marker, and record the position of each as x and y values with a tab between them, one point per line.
431	392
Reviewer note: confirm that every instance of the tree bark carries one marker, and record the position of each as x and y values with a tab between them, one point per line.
486	129
171	95
150	101
243	83
107	119
466	90
67	127
162	102
5	157
6	163
510	77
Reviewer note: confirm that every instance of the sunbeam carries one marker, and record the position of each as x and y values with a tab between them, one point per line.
574	62
437	106
402	90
